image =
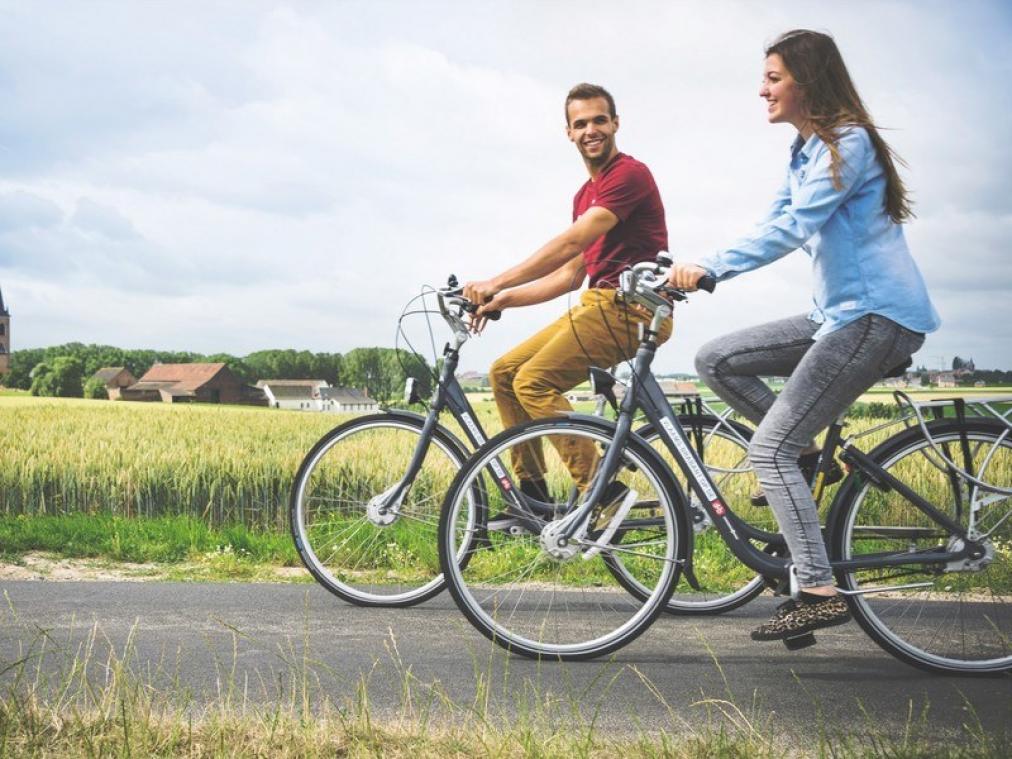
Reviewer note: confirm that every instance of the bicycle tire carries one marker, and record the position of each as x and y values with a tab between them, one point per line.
356	559
516	595
714	565
961	623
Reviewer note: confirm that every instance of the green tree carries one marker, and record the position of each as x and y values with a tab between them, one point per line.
382	372
62	377
95	389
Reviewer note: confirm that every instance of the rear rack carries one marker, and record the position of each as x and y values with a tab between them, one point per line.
986	408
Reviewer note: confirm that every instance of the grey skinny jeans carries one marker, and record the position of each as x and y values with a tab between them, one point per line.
825	376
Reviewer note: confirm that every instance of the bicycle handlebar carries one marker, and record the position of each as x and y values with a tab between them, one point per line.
471	307
647	283
707	282
452	295
453	305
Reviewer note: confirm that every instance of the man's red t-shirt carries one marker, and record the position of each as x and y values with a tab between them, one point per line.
627	189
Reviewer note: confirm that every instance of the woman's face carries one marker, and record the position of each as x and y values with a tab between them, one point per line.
783	97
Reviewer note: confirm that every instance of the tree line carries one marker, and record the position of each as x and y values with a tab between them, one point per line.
67	370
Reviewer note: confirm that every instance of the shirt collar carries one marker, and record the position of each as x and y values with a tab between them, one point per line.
805	147
608	167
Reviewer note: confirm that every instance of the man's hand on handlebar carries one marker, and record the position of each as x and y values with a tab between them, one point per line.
490	311
485	295
480	292
686	276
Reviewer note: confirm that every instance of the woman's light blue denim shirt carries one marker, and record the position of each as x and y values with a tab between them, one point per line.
859	255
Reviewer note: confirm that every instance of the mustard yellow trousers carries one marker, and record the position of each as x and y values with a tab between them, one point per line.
529	381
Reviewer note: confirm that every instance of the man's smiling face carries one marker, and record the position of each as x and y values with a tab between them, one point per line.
592	129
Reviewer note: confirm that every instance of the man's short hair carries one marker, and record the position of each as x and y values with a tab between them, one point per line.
585	91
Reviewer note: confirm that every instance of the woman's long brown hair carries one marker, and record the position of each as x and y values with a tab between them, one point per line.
832	103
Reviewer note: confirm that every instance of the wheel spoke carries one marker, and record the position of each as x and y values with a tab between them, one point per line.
537	594
365	556
963	621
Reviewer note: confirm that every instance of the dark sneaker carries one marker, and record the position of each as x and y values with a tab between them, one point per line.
808	463
807	614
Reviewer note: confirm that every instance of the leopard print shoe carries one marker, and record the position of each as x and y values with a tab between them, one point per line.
810	612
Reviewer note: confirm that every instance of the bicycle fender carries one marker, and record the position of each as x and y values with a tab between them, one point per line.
577	416
441	429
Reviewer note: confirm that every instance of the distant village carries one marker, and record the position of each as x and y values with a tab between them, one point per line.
215	383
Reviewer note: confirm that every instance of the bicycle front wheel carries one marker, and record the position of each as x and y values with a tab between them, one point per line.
541	597
958	617
346	532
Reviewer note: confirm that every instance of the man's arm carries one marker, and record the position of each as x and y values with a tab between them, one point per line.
556	253
566	278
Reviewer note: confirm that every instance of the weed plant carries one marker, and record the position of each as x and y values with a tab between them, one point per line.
78	694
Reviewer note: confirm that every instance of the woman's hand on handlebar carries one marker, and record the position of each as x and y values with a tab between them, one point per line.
686	276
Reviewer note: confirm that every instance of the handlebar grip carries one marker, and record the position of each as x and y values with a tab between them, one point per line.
707	282
490	315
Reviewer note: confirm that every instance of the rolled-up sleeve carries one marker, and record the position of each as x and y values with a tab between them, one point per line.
795	217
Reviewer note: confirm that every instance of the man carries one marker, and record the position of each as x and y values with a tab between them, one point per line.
618	220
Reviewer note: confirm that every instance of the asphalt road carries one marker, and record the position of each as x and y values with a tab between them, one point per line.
198	638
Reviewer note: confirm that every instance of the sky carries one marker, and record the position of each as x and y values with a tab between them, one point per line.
230	177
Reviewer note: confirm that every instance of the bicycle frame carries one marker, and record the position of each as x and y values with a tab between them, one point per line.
448	394
645	394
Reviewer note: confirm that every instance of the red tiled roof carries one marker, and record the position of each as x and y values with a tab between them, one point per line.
183	376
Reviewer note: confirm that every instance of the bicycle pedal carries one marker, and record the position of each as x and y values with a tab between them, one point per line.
797	642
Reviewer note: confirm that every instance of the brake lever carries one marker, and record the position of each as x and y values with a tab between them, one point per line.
672	292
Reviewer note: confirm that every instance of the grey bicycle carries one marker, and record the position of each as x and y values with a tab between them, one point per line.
919	534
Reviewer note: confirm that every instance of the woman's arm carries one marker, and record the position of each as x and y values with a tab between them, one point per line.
792	222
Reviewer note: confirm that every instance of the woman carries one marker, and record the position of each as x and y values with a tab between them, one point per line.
844	203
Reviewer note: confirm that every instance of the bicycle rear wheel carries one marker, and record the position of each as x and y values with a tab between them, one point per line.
960	618
725	583
363	556
567	605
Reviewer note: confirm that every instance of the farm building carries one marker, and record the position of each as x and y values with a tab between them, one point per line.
300	395
316	395
201	383
115	378
345	400
671	388
943	379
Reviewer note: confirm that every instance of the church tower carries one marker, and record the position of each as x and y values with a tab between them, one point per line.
5	337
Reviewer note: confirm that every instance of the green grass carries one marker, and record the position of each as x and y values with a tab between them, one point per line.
162	539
